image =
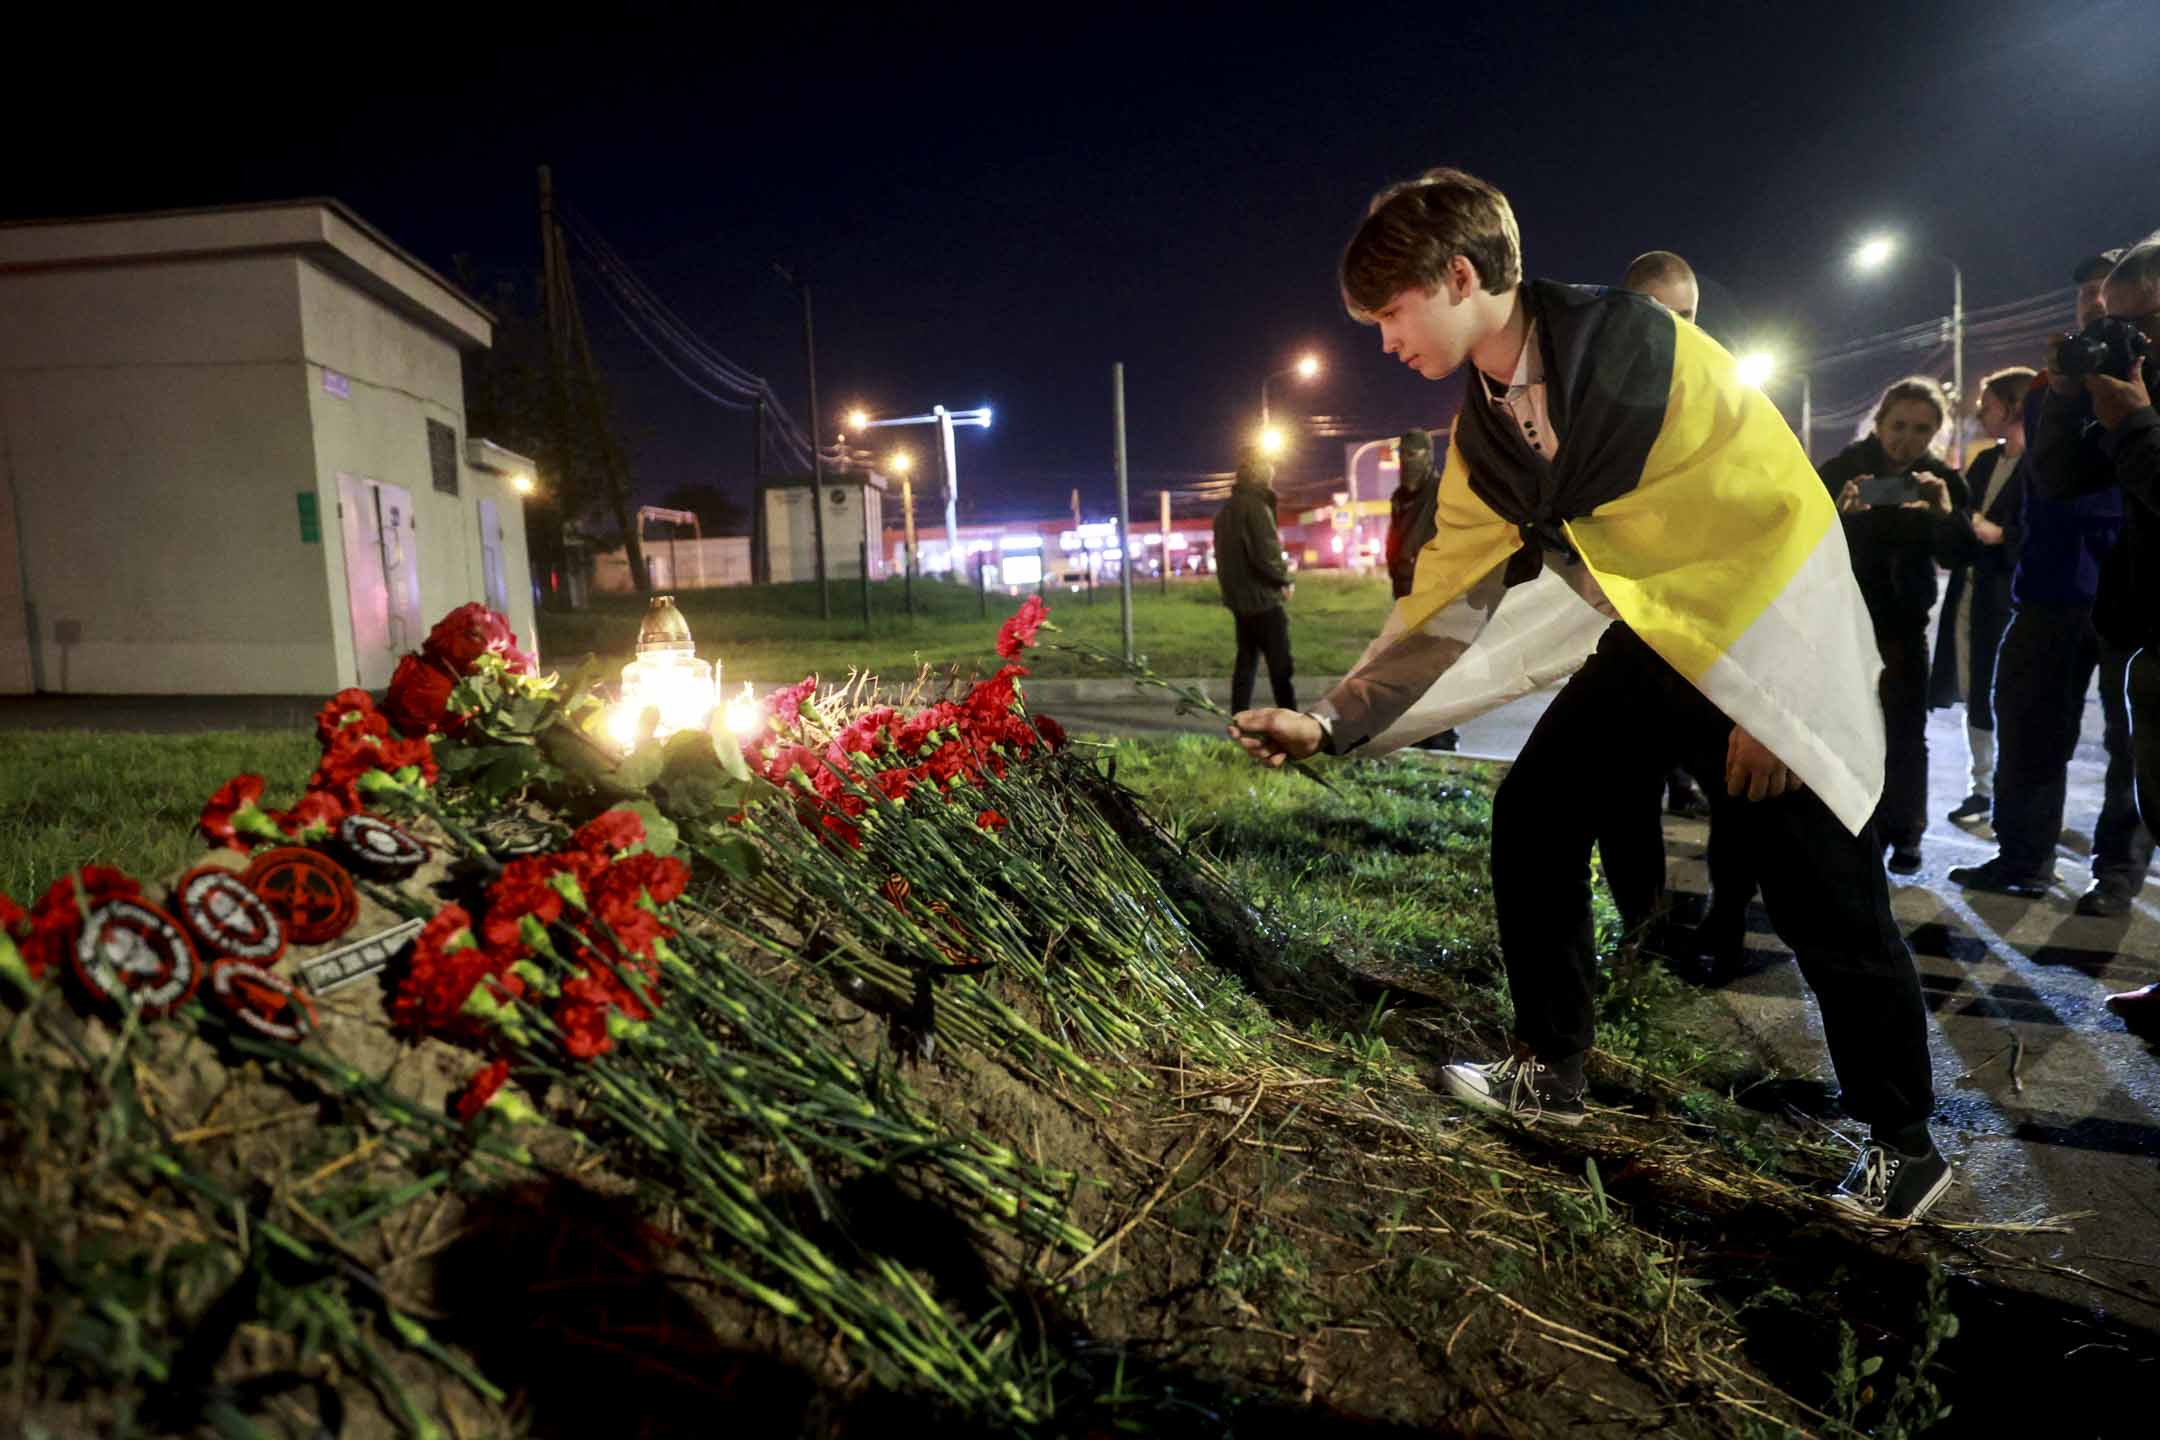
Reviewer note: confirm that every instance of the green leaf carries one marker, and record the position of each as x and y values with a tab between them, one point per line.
693	779
660	833
1870	1365
455	758
735	857
725	747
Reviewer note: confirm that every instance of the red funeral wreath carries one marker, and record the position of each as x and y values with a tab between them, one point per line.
127	948
310	893
374	846
265	1002
228	918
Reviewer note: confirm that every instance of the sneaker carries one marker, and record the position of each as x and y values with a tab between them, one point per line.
2140	1008
1884	1185
1445	740
1904	860
2108	899
1997	878
1520	1086
1683	797
1976	806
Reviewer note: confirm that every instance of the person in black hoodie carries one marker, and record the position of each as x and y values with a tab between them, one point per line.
1979	544
1893	556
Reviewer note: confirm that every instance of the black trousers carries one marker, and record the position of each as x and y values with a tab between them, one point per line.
1264	633
2048	657
2144	695
1901	814
1626	715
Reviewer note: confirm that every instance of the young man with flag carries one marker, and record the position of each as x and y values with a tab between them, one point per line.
1608	463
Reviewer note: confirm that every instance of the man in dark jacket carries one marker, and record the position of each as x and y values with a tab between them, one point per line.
1249	567
2066	569
1980	544
1410	524
1893	558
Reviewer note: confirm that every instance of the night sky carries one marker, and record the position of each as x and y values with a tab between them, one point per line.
993	206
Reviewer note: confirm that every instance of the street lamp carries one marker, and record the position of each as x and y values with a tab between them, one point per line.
1878	251
1307	368
1270	441
858	418
946	421
1758	368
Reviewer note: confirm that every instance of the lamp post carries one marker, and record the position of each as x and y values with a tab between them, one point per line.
946	421
1307	367
1877	252
903	465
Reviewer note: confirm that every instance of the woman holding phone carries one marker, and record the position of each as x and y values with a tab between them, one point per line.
1893	491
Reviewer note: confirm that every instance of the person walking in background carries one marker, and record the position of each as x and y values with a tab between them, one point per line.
1410	525
1893	493
1249	567
1980	544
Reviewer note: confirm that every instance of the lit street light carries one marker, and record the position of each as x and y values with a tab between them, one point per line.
858	419
1877	252
1307	368
1270	441
1758	368
522	483
945	420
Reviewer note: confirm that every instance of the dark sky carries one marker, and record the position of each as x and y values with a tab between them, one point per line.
996	205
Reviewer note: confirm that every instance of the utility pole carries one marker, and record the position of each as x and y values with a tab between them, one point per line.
1124	508
760	539
817	452
566	327
1166	542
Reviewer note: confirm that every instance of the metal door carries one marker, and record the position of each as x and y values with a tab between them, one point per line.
492	582
382	575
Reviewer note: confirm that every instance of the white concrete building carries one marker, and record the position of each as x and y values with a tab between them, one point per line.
233	456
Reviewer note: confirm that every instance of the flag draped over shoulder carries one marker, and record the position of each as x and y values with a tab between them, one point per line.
1691	503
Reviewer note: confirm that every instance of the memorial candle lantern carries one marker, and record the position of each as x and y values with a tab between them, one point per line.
666	676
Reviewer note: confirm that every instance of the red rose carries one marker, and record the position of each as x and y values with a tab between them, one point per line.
991	820
1053	734
470	631
419	698
1018	632
235	798
786	703
349	707
481	1089
610	832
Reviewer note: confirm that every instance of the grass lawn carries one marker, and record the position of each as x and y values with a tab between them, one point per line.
772	633
72	798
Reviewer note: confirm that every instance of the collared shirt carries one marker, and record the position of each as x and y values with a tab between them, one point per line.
1522	399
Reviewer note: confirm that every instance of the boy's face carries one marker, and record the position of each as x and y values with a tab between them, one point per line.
1432	332
1995	416
1679	296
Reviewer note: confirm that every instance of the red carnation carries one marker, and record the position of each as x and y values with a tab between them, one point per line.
14	920
231	808
1018	632
419	698
583	1025
56	919
522	889
610	832
349	707
991	820
481	1089
786	703
316	815
1053	734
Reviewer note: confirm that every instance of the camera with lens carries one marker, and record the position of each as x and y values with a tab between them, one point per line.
2107	346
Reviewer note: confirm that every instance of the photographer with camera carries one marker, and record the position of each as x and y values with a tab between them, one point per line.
2068	620
1893	493
2098	431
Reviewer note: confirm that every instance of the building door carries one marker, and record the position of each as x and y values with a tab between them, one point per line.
382	575
492	581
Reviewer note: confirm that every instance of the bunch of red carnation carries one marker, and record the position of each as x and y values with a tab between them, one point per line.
356	738
882	750
591	906
47	931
